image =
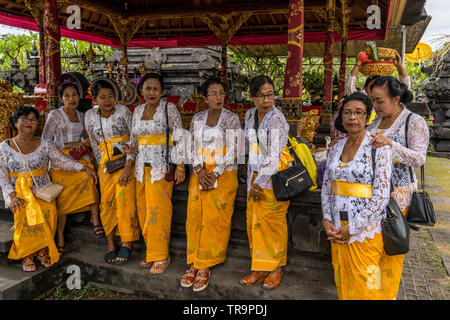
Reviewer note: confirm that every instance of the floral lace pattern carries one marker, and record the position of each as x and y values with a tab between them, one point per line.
156	154
412	156
274	129
11	161
116	125
364	214
215	138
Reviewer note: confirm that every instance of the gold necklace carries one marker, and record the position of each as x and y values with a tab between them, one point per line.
25	147
342	165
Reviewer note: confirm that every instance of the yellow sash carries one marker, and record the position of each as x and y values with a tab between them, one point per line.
285	156
210	162
154	140
106	147
24	184
349	189
254	148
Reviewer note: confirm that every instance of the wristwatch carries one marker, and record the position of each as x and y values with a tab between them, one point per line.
216	174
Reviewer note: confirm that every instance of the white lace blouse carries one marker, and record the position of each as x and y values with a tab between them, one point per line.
412	156
274	129
116	125
364	214
215	138
155	155
11	161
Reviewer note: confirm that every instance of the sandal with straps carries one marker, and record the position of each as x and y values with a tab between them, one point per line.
44	260
272	279
145	264
201	280
251	278
28	264
165	264
98	230
187	280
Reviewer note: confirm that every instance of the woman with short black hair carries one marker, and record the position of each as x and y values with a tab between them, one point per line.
109	126
355	192
24	161
65	127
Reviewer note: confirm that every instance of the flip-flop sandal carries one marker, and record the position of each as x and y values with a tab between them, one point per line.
111	256
203	279
166	264
251	278
98	230
28	263
187	280
275	280
44	260
144	264
125	254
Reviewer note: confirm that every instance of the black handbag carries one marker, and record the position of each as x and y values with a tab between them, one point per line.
292	181
394	227
114	165
421	210
170	167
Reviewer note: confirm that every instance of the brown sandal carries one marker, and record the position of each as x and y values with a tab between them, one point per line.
98	230
251	278
145	264
165	264
201	280
44	260
187	280
272	279
28	264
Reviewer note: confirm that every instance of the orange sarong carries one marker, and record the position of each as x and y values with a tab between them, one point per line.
208	223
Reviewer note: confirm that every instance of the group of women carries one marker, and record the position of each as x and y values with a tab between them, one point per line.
131	152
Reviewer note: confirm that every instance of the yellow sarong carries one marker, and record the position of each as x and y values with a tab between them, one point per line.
154	207
35	225
363	271
267	231
208	223
79	190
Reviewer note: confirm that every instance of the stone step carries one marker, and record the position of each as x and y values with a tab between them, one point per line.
6	240
299	282
16	284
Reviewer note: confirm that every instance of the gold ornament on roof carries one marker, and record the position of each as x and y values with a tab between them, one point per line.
9	101
309	124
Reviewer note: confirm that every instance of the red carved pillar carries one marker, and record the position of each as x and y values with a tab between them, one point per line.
41	56
293	77
224	66
52	37
342	69
328	65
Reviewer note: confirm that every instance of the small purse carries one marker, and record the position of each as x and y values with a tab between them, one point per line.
170	167
50	191
76	155
395	228
292	181
421	210
114	165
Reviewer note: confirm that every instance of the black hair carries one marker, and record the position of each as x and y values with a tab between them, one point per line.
205	85
21	111
257	82
63	86
395	88
354	96
100	84
145	77
369	80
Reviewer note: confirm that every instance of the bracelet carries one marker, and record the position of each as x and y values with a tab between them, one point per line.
198	170
180	169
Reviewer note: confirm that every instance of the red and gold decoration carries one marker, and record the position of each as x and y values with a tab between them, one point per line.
328	63
344	35
377	61
293	77
309	124
8	102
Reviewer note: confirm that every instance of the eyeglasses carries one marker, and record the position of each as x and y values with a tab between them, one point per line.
215	94
28	119
358	114
262	97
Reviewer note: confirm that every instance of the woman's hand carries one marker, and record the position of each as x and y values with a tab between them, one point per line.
343	234
76	145
203	179
131	150
380	140
399	65
91	173
332	233
256	192
16	203
179	174
125	177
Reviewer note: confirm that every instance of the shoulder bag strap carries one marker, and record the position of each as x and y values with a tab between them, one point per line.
26	162
167	134
407	145
103	135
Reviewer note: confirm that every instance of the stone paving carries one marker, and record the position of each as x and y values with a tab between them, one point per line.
426	268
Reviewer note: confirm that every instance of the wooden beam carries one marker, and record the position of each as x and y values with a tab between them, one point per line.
102	7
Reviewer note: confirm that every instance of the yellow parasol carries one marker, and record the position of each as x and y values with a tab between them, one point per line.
421	53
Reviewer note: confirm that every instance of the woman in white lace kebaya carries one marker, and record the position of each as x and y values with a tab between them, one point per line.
109	126
34	219
353	199
266	217
389	128
65	127
212	186
154	184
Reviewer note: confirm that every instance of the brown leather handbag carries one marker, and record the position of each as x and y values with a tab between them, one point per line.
113	165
